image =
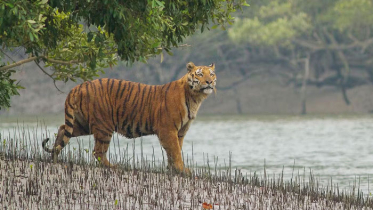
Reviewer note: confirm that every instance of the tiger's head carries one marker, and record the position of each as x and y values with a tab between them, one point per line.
201	79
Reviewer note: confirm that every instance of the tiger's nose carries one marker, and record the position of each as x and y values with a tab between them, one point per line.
209	82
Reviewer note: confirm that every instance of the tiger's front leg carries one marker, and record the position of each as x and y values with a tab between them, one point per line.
170	142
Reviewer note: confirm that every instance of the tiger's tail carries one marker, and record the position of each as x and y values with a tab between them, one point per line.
65	131
45	141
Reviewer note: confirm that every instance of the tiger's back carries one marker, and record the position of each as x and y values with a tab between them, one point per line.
129	108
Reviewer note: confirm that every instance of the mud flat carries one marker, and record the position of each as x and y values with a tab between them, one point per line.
38	184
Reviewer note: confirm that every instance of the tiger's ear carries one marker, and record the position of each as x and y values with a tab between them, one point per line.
212	66
190	66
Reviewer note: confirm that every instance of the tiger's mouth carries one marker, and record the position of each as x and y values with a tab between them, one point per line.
207	89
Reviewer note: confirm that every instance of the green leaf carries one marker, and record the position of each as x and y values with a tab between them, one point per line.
245	4
43	2
9	5
31	37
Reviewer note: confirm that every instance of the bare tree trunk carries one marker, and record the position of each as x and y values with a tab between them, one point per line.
304	84
238	101
346	70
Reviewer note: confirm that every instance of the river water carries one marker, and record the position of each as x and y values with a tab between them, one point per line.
332	147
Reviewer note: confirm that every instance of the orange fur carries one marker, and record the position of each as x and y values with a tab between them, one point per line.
102	106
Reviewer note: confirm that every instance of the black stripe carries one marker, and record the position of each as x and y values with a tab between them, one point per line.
109	108
143	94
112	114
133	108
138	131
119	85
146	103
187	105
168	86
165	96
75	89
121	94
135	102
68	115
129	131
88	99
165	103
136	96
176	126
124	124
68	123
107	85
68	101
129	95
150	105
63	144
81	103
155	92
80	87
111	87
71	106
100	80
126	100
68	134
97	102
101	108
109	104
103	99
118	108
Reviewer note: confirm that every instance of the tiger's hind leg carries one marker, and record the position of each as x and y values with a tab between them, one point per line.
79	128
59	142
102	142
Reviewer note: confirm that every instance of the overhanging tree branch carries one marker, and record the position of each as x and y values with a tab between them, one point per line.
51	60
17	63
6	55
54	81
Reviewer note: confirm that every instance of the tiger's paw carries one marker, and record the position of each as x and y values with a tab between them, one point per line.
181	170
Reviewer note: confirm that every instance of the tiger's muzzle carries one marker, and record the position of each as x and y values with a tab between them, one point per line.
207	89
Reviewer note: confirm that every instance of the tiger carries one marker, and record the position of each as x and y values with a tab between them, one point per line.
104	106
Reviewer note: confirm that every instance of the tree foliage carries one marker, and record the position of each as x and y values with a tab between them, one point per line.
52	33
334	35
